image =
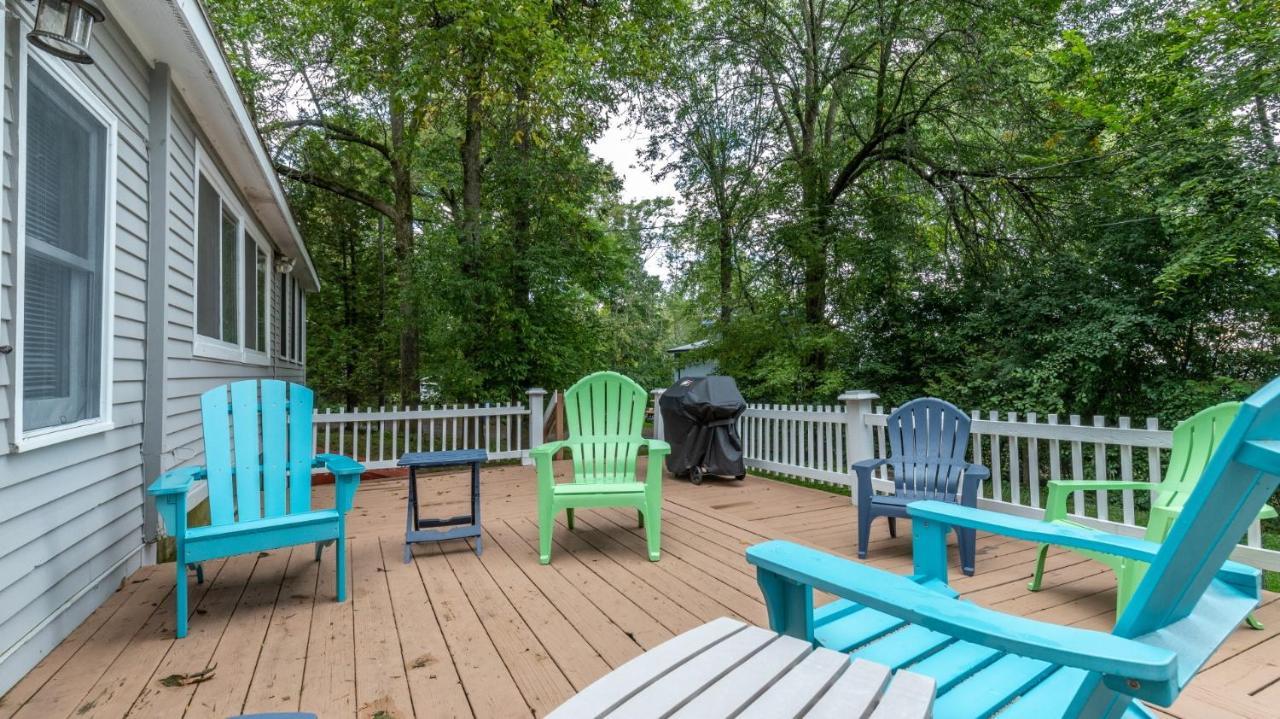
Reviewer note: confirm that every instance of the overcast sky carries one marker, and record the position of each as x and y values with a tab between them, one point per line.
620	146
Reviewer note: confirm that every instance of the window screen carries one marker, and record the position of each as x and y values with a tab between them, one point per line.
62	320
208	266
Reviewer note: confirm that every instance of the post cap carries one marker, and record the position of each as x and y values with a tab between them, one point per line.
660	390
858	394
536	391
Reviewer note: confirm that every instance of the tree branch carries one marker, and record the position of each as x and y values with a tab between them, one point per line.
337	188
333	130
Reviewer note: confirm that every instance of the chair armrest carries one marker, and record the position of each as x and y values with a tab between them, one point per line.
1033	530
176	481
1153	668
863	469
548	450
974	475
170	492
656	447
346	472
1055	505
338	464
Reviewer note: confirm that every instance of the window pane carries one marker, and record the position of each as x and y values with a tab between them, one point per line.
230	309
208	262
250	292
62	273
263	291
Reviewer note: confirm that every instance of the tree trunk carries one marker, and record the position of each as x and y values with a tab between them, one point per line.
470	155
402	227
726	269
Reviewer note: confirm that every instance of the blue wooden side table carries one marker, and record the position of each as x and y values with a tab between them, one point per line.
435	530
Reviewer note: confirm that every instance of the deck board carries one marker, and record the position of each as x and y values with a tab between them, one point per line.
452	634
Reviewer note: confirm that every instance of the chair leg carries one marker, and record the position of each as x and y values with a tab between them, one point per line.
180	590
546	522
568	516
1253	622
640	518
342	560
893	527
1038	577
319	549
653	532
864	531
965	538
199	572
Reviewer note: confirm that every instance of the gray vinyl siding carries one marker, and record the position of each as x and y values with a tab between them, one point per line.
71	512
188	374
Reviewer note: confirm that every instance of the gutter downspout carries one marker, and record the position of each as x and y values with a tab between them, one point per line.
153	399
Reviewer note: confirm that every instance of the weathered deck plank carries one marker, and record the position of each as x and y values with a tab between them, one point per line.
452	634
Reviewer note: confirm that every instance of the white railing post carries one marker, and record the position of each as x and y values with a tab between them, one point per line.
858	442
657	414
535	422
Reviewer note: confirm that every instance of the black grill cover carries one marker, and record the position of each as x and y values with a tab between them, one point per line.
699	418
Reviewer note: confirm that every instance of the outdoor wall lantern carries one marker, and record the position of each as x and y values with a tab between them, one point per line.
63	27
284	265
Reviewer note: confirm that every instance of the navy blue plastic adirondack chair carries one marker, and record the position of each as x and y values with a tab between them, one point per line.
928	438
258	449
984	661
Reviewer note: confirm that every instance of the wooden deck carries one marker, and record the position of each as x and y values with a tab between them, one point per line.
501	636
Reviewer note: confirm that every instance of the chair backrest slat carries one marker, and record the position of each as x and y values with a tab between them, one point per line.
1194	442
258	449
274	450
1224	502
604	413
301	442
215	413
928	438
245	444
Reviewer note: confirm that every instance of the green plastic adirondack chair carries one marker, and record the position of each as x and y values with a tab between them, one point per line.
1194	441
258	449
605	415
985	662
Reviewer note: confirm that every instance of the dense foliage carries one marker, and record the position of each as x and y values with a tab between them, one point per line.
1020	205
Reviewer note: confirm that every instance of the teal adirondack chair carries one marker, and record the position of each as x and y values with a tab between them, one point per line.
258	449
1194	441
605	415
985	661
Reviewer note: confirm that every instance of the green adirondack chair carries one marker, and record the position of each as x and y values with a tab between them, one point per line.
605	415
258	453
1194	441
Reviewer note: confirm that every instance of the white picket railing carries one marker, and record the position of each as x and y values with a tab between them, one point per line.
377	437
819	443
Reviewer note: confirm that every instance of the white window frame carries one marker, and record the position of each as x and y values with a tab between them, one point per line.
291	295
215	347
89	101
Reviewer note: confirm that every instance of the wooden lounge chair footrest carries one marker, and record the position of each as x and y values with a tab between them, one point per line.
727	668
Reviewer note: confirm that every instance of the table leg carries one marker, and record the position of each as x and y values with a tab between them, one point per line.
475	502
410	506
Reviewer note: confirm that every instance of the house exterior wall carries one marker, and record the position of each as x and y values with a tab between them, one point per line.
71	513
188	374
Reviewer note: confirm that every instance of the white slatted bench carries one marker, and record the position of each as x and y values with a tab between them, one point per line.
725	668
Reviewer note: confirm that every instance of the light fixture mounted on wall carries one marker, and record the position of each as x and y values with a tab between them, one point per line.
284	265
63	28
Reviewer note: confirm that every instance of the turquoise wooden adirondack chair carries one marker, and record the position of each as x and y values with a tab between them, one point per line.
605	415
258	445
985	661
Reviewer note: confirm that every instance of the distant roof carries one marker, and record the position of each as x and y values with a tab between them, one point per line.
689	347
